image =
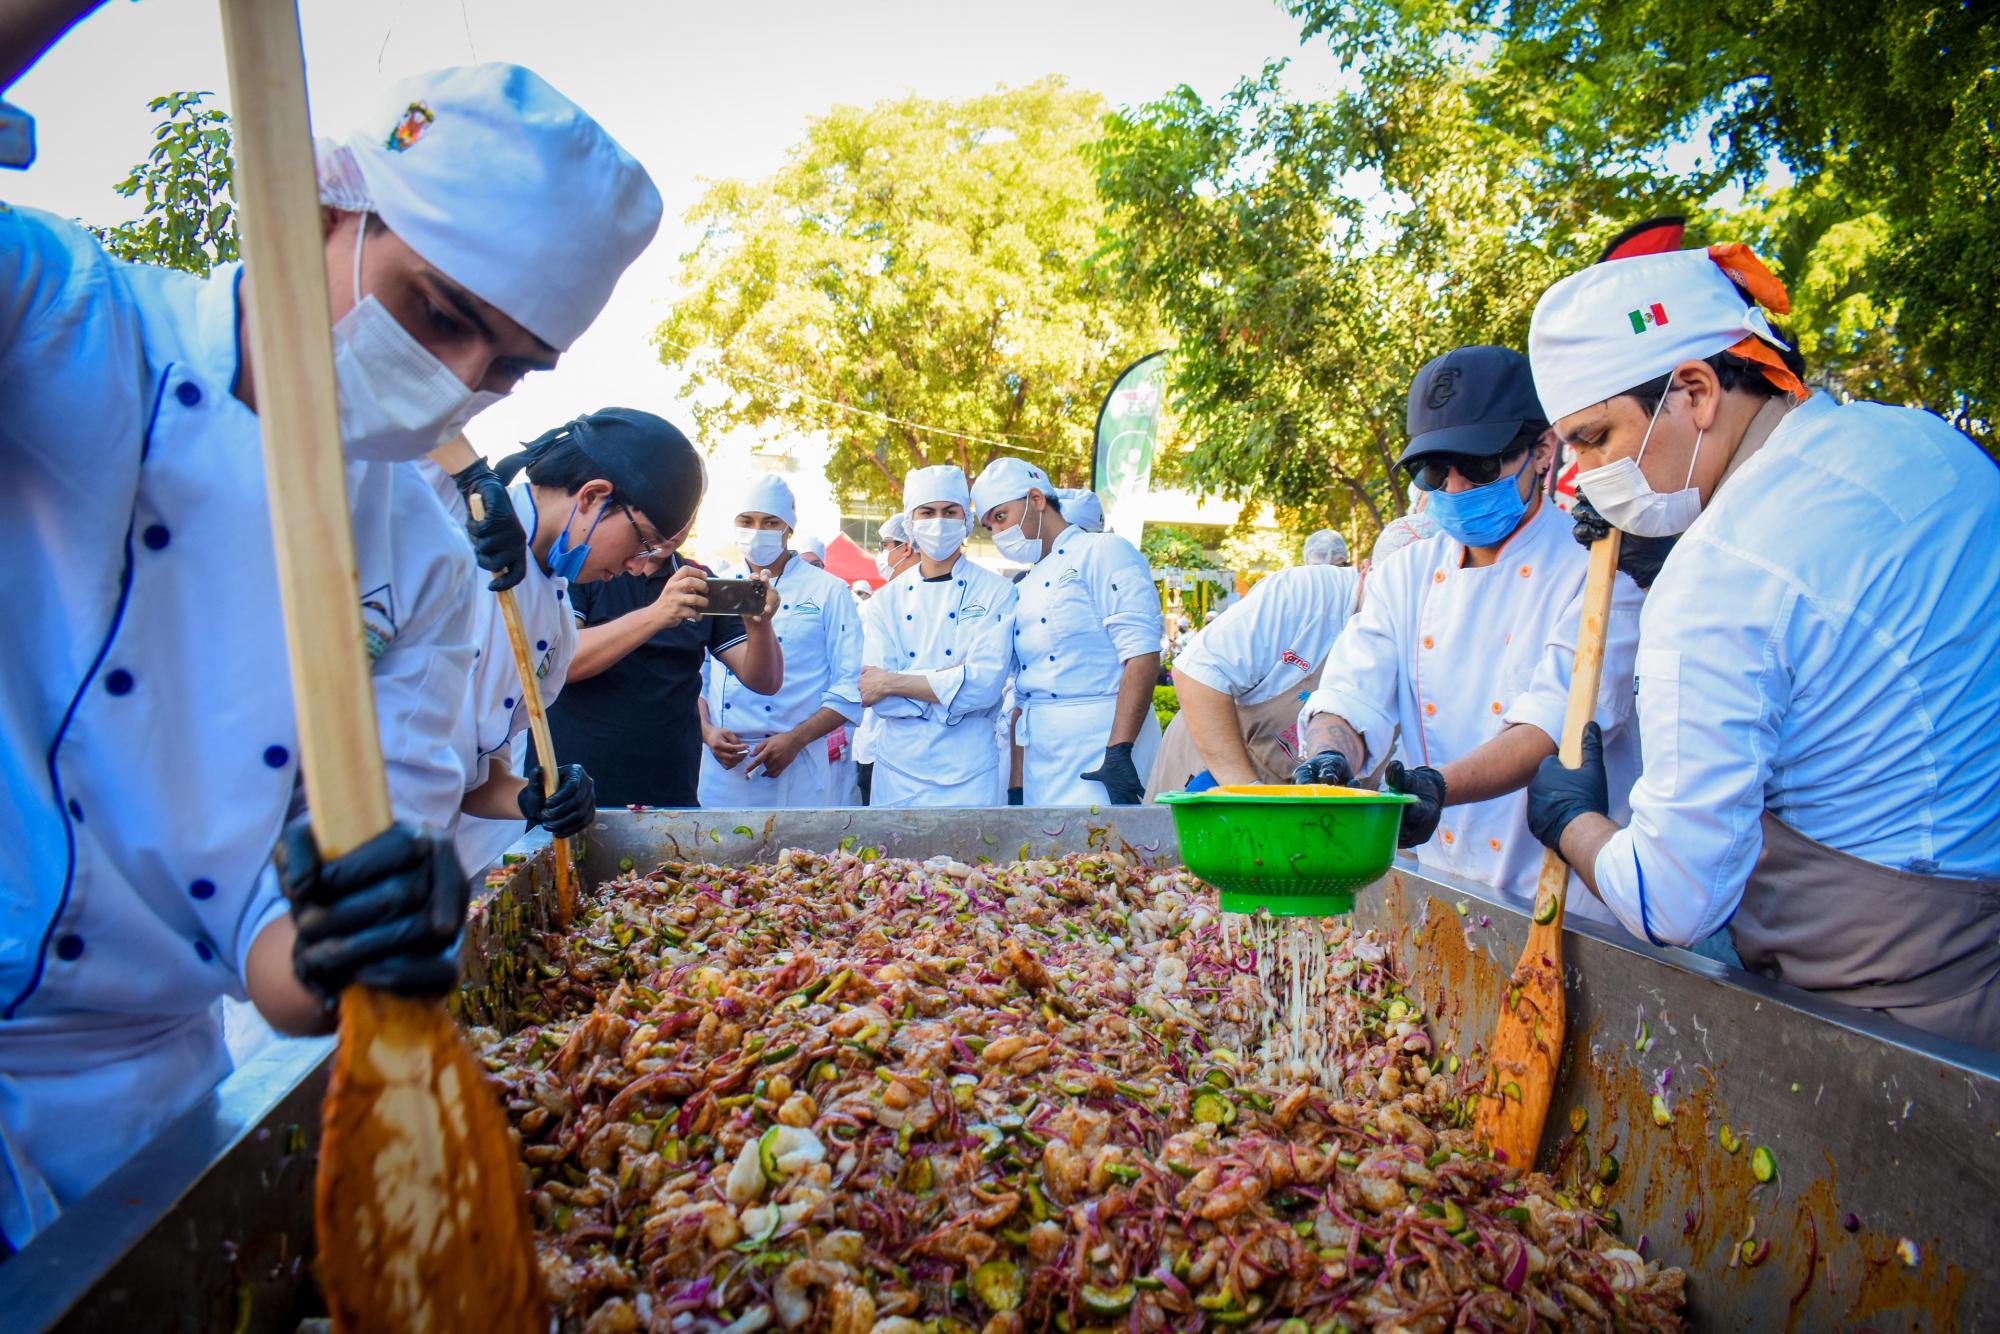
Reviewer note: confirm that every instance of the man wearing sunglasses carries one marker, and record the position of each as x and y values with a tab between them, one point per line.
1457	665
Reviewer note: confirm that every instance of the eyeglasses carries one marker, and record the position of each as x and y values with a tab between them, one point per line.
648	547
1432	471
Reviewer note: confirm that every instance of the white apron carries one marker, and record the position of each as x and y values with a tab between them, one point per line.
806	783
1061	739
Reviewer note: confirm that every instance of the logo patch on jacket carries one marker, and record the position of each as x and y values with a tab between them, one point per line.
1294	660
1069	576
806	608
971	613
416	119
378	619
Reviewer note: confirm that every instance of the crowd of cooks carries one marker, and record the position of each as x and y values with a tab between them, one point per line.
1794	755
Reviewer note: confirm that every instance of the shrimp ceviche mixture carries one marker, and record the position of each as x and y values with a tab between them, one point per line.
856	1093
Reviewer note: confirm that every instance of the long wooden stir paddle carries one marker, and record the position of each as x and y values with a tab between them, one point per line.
538	726
1527	1043
421	1205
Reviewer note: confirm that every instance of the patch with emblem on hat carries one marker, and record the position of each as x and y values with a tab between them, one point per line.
415	120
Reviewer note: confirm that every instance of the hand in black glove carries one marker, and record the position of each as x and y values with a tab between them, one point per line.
566	812
1329	767
1557	795
387	914
1427	786
1120	779
498	542
1640	557
1013	796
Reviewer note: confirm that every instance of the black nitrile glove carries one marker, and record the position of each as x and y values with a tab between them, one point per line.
1329	767
569	810
1557	795
1640	557
1120	779
498	542
387	914
1014	796
1427	786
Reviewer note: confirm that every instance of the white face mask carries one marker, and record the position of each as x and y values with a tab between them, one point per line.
1628	502
884	566
761	546
397	401
1018	546
938	538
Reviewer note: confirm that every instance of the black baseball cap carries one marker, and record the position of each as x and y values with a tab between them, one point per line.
646	458
1473	401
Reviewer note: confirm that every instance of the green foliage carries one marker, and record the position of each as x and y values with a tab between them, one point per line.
1248	548
922	261
1166	703
1886	113
1165	546
189	216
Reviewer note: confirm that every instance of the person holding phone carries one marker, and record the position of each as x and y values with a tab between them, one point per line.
769	750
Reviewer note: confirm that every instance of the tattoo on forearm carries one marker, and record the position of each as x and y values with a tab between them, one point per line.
1327	732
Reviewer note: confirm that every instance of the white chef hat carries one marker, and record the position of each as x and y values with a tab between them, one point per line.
1082	508
1324	547
504	184
808	545
935	485
895	530
767	493
1618	325
1007	479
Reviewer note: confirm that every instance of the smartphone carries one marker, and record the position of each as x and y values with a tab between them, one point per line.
736	597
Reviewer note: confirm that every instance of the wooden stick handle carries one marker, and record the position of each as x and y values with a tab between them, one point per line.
291	367
538	727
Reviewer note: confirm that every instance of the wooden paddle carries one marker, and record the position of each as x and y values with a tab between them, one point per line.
538	726
1527	1043
421	1205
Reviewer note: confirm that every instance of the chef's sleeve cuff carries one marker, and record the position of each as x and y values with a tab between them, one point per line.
945	684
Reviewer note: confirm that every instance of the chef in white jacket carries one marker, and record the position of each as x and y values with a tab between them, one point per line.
895	556
1242	677
770	750
1465	642
937	645
1819	664
1086	645
598	495
146	729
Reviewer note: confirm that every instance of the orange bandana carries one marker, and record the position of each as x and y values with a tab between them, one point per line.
1762	286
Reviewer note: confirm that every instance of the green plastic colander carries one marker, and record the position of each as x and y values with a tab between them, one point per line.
1291	850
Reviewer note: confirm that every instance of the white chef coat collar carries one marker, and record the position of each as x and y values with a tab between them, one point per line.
217	352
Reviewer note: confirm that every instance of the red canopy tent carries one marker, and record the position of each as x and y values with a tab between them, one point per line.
846	560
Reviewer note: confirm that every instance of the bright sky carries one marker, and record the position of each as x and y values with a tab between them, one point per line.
696	91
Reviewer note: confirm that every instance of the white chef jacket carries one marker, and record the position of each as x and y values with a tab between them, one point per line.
494	710
1822	643
1086	609
146	733
1274	639
818	627
958	633
1451	654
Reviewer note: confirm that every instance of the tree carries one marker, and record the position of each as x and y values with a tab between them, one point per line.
1885	113
189	218
916	264
1167	547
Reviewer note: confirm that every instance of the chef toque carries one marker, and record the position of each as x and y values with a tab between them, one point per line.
503	184
895	530
766	493
1082	508
935	486
1618	325
1007	479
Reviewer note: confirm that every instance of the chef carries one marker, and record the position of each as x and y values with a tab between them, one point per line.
937	646
1086	645
1241	679
1819	672
770	750
146	730
1465	641
895	556
598	495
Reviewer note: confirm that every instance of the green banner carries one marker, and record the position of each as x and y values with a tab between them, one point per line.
1121	468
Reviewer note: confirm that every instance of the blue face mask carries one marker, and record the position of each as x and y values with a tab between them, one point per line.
566	561
1483	516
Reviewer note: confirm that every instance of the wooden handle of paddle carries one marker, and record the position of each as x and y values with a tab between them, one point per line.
538	727
298	410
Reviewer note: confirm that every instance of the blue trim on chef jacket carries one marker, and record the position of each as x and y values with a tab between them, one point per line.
63	806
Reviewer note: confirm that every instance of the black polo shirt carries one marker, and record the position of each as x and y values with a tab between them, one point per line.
634	726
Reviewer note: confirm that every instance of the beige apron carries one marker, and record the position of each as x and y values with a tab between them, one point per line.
1270	734
1923	949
